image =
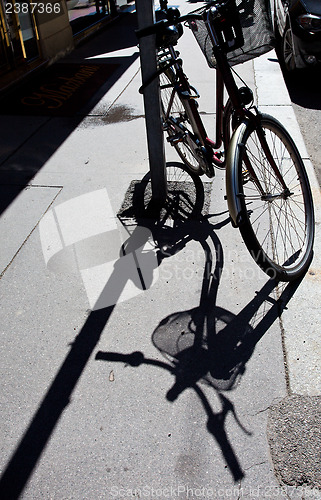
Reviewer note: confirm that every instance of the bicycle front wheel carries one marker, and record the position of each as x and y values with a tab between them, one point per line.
176	123
277	225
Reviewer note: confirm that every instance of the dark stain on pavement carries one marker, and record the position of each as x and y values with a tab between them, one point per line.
121	113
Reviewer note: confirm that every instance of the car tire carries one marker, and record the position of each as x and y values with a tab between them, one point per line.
287	52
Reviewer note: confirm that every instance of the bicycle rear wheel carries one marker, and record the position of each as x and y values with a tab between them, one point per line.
176	123
277	227
185	195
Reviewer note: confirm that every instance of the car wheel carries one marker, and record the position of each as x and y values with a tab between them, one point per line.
288	51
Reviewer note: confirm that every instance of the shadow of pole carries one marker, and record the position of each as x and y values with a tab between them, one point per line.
31	446
57	398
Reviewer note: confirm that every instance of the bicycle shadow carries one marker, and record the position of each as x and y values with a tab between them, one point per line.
209	345
189	364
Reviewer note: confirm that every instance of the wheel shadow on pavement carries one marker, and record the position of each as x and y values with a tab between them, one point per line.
209	345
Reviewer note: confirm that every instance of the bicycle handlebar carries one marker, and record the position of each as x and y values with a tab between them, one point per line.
159	26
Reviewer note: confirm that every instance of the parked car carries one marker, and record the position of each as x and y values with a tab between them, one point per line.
298	30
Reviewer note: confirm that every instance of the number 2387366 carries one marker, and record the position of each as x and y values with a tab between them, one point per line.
39	7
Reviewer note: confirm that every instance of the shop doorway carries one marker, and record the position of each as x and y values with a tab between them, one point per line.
19	36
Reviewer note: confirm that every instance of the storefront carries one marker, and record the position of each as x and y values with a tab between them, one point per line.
83	14
35	32
19	35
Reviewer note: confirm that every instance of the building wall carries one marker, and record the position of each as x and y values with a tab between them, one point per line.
55	33
35	32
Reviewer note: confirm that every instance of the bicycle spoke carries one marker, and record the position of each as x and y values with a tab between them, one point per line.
175	121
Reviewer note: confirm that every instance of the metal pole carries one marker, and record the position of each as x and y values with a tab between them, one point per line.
155	137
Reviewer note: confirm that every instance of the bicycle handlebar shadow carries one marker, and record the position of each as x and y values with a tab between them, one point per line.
209	345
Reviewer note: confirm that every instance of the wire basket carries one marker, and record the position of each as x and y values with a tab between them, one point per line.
250	24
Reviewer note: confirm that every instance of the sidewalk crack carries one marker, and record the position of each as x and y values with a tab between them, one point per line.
31	232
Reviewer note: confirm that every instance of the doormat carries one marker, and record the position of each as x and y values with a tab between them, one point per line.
62	90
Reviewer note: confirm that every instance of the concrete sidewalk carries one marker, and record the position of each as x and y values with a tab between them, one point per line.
103	394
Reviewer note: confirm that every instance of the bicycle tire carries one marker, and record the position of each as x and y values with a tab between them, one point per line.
186	145
278	231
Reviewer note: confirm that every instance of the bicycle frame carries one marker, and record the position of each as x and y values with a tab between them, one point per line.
192	111
224	79
277	225
242	113
278	234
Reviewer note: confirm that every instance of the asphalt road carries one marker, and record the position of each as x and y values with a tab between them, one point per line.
305	94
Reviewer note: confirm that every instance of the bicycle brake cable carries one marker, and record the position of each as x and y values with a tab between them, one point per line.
245	84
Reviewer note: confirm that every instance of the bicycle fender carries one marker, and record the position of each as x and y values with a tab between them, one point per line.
232	177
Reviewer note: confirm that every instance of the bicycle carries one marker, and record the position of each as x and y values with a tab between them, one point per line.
267	188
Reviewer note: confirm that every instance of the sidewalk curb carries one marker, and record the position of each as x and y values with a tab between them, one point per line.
292	441
299	322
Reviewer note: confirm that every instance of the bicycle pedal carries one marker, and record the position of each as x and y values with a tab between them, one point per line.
175	139
191	94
